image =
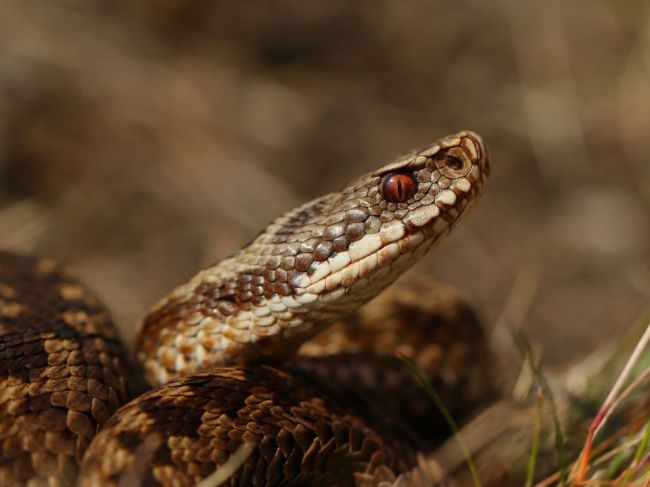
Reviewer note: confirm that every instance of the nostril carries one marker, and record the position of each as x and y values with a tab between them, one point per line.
453	163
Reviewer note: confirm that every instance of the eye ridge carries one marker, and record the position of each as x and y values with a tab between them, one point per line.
398	187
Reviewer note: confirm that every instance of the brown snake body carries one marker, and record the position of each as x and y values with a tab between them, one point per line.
308	269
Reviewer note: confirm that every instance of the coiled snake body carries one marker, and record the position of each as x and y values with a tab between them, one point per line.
63	370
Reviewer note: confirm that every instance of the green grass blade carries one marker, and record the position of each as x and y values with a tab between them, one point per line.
422	380
534	451
527	352
641	450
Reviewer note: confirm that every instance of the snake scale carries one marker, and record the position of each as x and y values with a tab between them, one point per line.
221	349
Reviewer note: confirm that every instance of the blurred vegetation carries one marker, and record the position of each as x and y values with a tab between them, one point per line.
141	139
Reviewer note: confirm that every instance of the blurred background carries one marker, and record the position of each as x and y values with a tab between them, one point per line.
142	139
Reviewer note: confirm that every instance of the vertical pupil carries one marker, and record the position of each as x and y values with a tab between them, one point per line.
398	188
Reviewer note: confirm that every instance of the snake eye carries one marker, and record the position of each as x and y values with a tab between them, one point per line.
398	188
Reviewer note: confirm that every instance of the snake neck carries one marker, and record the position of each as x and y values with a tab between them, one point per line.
315	264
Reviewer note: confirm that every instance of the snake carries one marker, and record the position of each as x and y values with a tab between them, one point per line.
247	351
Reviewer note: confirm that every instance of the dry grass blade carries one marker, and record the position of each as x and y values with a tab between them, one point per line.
517	305
221	474
527	352
22	224
608	406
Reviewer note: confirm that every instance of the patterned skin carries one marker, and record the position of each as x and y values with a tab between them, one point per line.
62	372
333	416
305	432
315	264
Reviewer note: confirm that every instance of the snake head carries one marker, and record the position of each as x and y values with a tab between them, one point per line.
430	188
316	263
382	223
